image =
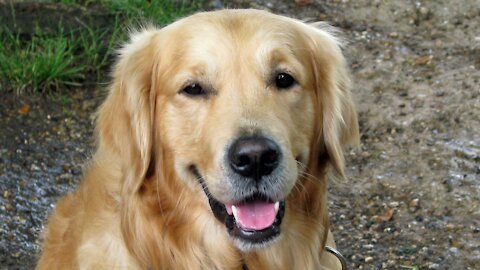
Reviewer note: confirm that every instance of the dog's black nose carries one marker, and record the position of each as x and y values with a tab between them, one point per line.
254	157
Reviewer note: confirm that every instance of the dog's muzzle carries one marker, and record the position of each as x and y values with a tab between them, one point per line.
255	218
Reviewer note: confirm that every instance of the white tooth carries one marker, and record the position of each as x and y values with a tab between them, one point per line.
277	205
234	211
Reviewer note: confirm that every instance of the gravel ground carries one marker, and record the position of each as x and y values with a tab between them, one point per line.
413	194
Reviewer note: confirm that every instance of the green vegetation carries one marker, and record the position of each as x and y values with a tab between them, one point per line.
43	63
56	60
97	45
158	12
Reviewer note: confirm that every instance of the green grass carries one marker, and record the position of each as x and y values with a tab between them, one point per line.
50	63
98	45
158	12
42	63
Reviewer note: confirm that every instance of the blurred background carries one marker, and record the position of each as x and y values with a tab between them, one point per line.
413	193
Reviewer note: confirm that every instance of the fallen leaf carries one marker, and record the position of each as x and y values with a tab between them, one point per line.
24	109
456	244
423	60
388	215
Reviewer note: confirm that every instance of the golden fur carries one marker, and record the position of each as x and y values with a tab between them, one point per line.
139	207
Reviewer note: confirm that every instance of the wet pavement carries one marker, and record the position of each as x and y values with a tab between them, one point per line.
42	151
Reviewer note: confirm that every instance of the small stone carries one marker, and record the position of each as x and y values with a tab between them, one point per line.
368	259
453	250
393	34
423	10
394	204
66	167
413	205
34	167
365	154
368	246
87	104
450	226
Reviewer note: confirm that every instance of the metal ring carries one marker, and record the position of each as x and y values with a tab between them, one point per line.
338	255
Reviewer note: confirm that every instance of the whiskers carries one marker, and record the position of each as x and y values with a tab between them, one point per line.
303	185
304	175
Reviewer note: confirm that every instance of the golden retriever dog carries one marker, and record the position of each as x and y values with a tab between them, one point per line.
214	147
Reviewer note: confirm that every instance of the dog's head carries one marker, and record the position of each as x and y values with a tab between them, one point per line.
240	104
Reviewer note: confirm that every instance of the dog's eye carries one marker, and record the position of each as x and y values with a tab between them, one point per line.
193	89
284	80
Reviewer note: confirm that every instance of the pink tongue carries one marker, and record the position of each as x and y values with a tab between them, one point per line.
256	215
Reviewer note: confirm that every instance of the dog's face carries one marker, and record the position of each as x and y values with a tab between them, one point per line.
238	114
245	102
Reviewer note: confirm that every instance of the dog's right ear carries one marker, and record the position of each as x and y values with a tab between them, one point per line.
126	118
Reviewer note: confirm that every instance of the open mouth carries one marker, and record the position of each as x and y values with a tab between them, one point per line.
255	219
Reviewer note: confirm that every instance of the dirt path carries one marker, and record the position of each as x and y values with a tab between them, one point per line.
414	190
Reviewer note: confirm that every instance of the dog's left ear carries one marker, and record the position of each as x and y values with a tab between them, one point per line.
336	122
